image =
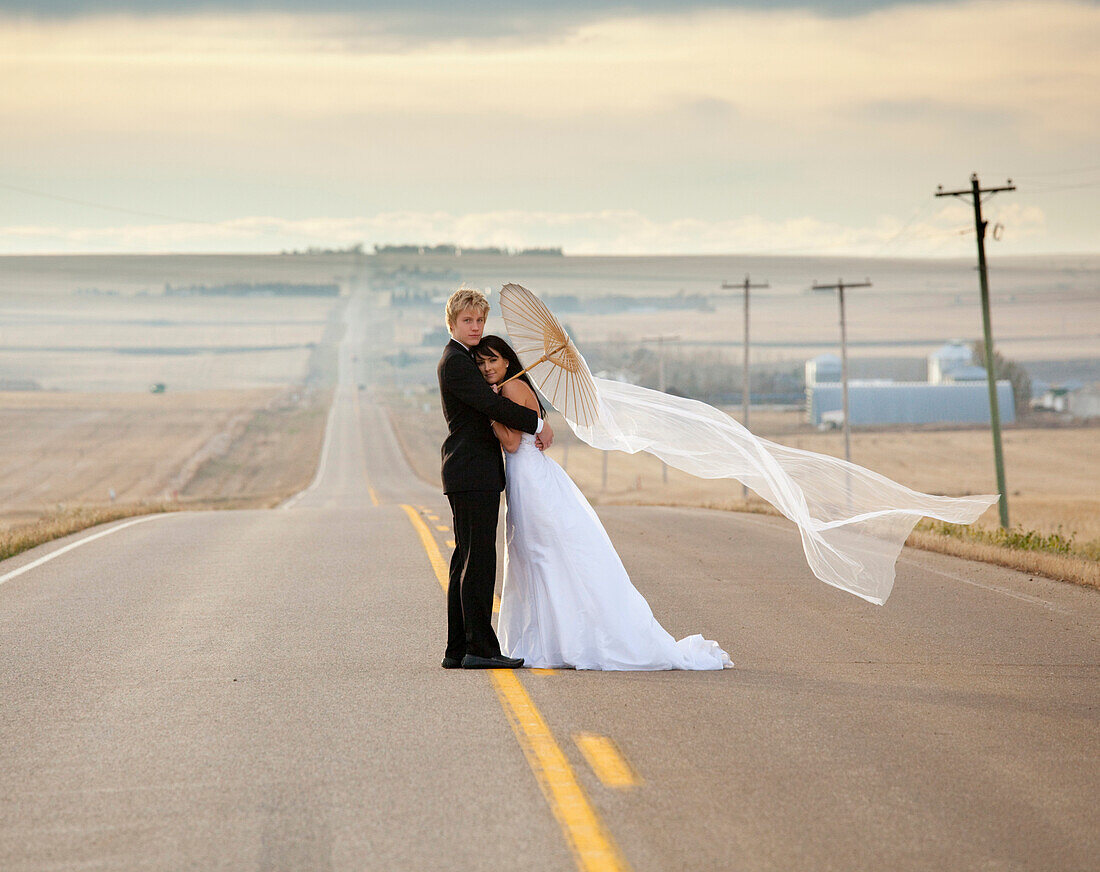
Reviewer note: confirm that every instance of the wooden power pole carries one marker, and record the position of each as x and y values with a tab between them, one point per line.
746	285
974	192
660	340
839	288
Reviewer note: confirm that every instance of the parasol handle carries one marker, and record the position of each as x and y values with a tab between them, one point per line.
542	359
522	371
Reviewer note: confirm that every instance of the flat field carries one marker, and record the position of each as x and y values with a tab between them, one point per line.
239	419
67	449
94	332
1044	309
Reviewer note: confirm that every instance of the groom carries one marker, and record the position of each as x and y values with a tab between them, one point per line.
473	477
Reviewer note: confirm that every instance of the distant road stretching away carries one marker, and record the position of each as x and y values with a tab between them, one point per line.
261	690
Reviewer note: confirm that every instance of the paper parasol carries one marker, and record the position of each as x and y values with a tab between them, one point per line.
549	356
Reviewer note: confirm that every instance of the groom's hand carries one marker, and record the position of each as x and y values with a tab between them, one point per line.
546	438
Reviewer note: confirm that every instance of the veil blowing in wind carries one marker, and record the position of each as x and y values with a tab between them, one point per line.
853	521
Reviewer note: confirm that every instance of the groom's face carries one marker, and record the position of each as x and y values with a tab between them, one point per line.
468	327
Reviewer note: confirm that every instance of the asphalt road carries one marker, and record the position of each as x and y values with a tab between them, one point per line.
261	690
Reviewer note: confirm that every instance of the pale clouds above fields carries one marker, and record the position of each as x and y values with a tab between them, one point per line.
714	129
618	231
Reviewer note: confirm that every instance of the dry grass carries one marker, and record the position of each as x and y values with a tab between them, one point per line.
1053	474
61	449
259	458
65	522
275	455
1063	567
419	434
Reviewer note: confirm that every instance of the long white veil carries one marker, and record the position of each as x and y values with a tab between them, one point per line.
854	522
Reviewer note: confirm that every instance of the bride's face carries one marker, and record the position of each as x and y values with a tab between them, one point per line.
493	368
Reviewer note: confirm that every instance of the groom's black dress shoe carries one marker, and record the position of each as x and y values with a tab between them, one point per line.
451	663
472	661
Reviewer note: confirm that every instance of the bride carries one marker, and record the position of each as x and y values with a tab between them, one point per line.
567	600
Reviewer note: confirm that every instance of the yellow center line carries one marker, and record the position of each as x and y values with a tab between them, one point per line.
606	760
426	539
363	455
592	845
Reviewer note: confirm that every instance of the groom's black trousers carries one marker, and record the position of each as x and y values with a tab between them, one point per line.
473	574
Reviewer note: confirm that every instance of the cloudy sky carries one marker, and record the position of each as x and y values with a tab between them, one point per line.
645	127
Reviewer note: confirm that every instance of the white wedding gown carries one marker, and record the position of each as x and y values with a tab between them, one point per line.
567	601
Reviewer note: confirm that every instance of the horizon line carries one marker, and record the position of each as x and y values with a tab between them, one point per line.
564	254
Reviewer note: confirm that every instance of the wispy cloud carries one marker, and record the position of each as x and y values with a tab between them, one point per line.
785	68
699	128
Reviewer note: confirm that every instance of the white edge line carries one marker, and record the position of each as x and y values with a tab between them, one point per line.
16	572
1023	597
324	455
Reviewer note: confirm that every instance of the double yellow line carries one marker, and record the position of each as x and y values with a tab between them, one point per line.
585	833
359	441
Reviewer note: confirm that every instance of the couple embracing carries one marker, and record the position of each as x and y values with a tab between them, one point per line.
567	601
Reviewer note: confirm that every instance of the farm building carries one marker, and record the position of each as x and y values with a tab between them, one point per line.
823	368
877	402
947	360
1085	403
955	393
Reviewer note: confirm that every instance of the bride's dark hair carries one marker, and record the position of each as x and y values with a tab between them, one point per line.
494	344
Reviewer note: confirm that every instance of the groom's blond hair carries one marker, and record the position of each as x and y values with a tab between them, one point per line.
461	300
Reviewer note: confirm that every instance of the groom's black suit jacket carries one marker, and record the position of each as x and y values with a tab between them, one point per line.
472	460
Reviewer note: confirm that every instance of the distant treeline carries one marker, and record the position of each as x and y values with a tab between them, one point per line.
254	289
314	250
19	384
416	274
458	251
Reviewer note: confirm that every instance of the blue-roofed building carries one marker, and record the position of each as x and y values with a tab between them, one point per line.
823	368
873	403
954	355
961	374
956	393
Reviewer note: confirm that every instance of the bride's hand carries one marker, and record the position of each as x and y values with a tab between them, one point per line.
546	438
496	388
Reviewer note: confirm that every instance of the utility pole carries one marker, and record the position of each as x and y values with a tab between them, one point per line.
839	288
975	194
661	340
745	379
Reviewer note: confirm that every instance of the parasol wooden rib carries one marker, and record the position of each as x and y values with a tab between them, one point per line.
548	354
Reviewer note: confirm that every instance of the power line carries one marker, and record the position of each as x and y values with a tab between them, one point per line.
109	208
1045	190
918	213
144	214
1063	172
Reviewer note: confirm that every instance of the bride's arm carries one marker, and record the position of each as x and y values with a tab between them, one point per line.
508	437
518	393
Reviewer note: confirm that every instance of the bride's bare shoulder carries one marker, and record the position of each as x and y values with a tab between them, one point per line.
517	391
